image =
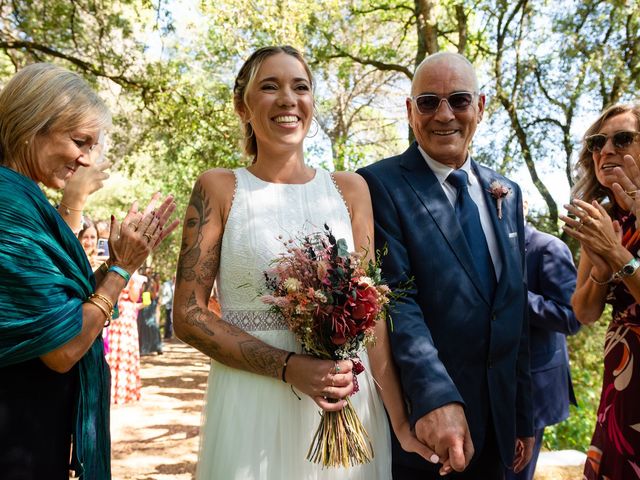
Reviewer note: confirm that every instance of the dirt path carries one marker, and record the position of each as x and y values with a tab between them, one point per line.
157	438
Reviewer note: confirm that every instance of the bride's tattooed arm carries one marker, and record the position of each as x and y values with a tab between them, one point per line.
198	266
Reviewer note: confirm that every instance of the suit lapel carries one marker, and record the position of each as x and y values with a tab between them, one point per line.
425	185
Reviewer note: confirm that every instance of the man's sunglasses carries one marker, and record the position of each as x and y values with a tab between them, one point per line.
621	140
428	103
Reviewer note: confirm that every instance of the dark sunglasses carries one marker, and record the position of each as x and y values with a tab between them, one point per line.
428	103
620	140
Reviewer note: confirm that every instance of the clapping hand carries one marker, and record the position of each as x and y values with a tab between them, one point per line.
627	187
131	242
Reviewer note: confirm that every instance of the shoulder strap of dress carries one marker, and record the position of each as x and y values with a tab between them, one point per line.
334	184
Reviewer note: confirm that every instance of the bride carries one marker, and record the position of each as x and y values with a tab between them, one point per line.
255	426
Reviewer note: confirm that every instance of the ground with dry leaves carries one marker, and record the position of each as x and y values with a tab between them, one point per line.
157	438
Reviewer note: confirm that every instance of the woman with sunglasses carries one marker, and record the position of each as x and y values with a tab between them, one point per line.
608	273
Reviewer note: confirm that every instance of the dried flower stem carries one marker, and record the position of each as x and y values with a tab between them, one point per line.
340	440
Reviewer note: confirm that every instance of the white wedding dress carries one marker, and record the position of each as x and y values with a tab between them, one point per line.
254	427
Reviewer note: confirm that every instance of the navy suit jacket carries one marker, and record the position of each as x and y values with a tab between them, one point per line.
450	342
551	280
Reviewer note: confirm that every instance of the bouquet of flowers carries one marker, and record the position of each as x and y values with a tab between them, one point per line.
330	299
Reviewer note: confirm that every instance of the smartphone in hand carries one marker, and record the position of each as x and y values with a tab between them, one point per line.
102	248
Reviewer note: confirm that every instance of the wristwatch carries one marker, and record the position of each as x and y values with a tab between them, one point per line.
627	269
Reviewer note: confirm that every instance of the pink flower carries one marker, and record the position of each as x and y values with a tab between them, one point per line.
499	191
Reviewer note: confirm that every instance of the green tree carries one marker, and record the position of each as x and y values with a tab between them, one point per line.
551	68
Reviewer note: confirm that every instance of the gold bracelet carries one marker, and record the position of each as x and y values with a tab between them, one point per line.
107	316
106	300
67	209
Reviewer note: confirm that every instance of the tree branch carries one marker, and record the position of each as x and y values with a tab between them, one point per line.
35	48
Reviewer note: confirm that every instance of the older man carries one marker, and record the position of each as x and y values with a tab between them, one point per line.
454	233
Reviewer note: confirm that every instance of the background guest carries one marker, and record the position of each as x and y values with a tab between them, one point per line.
88	236
124	349
148	330
605	225
166	299
551	280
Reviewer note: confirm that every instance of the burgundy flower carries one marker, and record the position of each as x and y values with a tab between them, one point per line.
364	308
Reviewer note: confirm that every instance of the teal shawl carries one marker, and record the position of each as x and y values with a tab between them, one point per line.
44	279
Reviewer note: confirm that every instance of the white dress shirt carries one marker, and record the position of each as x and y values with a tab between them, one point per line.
441	172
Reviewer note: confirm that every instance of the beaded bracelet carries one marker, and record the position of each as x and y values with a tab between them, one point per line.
284	365
120	271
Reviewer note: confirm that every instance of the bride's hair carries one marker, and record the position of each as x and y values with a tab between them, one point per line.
246	77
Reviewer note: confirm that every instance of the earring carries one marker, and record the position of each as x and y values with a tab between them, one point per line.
314	121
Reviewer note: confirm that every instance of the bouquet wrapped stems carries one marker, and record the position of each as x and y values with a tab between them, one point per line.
331	300
340	440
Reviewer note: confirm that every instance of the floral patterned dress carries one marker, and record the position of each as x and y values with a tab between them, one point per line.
124	354
614	453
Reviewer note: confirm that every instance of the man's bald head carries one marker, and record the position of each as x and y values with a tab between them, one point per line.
439	59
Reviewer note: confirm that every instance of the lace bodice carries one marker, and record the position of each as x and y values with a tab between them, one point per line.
262	216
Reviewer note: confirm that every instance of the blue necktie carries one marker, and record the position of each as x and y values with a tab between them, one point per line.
469	218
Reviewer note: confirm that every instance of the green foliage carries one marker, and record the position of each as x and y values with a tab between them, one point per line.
544	69
586	357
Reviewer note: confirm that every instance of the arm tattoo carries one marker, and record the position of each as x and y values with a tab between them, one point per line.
195	317
258	357
196	218
262	358
210	264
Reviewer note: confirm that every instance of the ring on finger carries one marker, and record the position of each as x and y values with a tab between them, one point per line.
631	193
134	226
579	226
147	236
336	367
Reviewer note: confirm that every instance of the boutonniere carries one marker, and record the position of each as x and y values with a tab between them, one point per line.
499	191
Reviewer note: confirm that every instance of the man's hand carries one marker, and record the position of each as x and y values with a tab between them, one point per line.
524	450
445	431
